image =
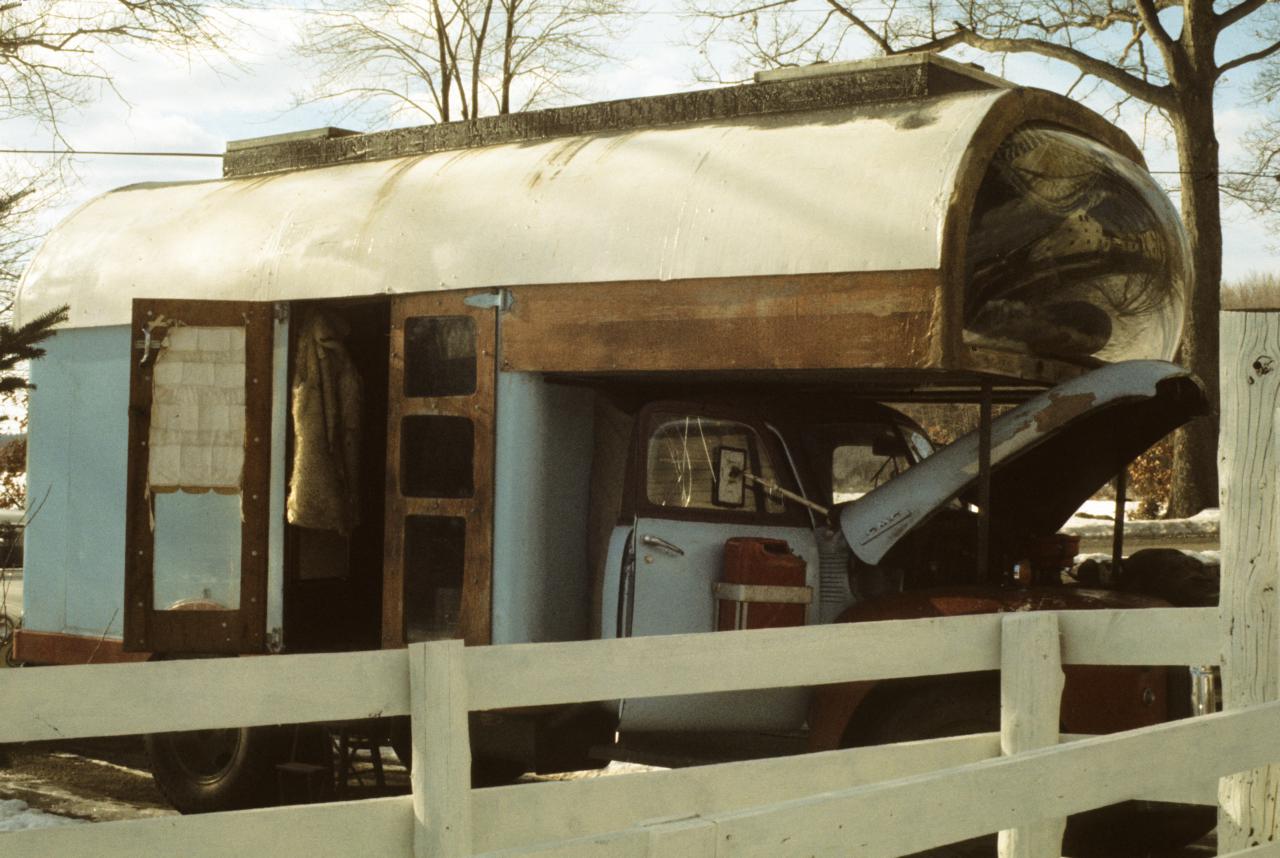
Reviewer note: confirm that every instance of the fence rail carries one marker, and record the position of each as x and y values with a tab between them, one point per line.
864	801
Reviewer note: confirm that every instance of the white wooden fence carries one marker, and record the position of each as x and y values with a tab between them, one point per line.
880	801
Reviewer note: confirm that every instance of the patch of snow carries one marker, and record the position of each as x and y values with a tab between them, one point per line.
1203	524
16	815
128	770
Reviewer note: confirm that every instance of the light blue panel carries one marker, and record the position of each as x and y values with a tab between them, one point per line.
76	462
275	527
541	583
197	549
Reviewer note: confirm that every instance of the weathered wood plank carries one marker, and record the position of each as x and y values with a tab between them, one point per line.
810	321
118	699
98	700
1031	682
506	817
1145	637
1250	558
382	827
441	771
539	674
1002	793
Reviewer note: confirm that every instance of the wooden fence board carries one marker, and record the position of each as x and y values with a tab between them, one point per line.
71	701
1266	850
1141	637
544	674
1003	793
382	827
505	817
101	700
1250	621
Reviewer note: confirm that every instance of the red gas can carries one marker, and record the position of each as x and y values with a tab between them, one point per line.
763	585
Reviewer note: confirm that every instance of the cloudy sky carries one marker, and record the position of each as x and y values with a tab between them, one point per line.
197	104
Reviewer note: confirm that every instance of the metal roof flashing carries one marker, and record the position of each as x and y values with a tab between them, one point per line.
829	85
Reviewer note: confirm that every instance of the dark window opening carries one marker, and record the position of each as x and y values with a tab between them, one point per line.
439	356
435	456
434	561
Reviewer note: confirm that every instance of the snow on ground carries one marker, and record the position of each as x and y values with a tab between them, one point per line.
1094	519
17	815
11	593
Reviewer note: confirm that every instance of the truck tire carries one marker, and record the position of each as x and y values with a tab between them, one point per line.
205	771
934	711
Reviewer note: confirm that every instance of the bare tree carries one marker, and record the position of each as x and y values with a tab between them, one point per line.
453	59
1169	55
50	50
1256	181
50	64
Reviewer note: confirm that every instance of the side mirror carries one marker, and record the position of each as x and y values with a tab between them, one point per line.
888	444
731	483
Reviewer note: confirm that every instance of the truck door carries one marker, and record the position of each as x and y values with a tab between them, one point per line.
200	442
438	556
681	539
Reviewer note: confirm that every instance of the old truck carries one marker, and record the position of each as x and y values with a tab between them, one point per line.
609	370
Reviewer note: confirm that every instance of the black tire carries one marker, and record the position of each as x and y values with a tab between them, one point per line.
956	708
204	771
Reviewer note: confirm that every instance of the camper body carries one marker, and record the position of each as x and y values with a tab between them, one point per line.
604	371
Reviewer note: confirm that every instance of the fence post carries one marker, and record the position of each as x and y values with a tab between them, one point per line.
1031	681
1249	475
441	773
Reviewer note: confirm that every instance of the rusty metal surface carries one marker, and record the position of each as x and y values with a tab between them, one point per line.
874	523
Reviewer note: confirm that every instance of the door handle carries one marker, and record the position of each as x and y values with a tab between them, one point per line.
659	542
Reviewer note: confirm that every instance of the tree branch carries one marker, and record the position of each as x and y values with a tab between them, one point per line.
1169	49
1248	58
1238	12
1160	96
844	12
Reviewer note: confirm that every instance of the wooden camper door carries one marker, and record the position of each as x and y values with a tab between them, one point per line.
198	476
440	436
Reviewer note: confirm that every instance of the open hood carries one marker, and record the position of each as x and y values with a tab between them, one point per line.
1048	455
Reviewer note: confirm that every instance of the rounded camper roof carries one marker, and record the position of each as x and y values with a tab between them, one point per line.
886	186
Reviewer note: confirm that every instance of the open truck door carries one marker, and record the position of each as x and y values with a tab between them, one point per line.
438	565
713	557
199	476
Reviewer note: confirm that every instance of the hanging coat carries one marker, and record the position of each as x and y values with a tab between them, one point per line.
326	394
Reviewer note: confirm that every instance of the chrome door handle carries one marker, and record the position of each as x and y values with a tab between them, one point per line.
659	542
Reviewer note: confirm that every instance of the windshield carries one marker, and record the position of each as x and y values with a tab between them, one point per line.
1074	252
867	455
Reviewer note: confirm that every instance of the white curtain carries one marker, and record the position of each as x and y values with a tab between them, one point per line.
198	411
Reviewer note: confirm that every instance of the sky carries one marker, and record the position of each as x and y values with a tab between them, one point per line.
197	104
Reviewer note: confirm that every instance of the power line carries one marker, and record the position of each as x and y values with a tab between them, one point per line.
110	152
1275	176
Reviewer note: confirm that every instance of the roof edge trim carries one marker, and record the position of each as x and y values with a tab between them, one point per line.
878	80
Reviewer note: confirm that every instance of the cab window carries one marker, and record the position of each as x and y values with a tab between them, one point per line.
680	466
870	455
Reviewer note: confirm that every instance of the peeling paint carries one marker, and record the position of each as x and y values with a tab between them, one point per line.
1062	409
